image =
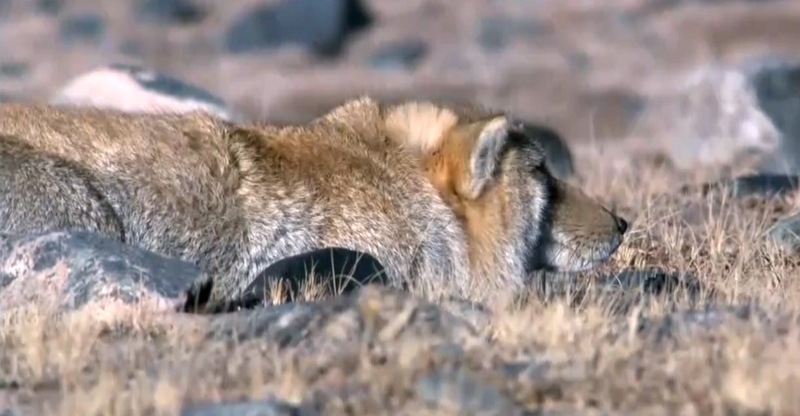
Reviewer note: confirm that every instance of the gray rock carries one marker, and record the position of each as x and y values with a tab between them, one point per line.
495	32
267	407
321	26
49	7
68	270
400	55
374	311
461	392
558	156
776	84
627	287
711	119
135	88
169	11
706	320
786	233
14	69
87	27
761	184
5	7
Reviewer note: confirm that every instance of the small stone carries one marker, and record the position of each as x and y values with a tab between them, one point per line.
461	392
169	11
136	89
322	26
400	55
5	8
496	31
50	7
776	84
760	184
786	233
13	69
83	27
373	311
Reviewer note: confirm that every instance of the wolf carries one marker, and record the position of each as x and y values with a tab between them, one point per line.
456	196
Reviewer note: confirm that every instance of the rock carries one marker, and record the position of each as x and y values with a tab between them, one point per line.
267	407
776	85
49	7
69	270
704	321
13	69
712	120
460	392
373	311
134	88
5	8
83	27
169	11
628	287
400	55
762	185
321	26
334	270
785	233
558	157
496	31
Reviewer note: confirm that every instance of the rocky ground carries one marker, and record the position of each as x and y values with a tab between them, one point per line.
678	113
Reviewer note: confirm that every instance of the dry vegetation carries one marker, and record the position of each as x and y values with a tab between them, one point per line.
592	360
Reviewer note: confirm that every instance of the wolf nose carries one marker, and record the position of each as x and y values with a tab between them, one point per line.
622	225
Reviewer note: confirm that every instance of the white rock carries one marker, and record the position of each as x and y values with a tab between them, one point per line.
711	119
136	89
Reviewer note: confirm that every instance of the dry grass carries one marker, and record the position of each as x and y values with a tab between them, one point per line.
142	363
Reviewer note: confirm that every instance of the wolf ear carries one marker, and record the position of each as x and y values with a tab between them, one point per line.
489	139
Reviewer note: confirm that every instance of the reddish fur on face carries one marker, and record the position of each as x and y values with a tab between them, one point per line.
483	218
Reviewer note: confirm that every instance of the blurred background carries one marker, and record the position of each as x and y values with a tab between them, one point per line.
588	69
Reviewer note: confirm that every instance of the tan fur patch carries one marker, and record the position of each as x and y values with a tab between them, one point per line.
421	126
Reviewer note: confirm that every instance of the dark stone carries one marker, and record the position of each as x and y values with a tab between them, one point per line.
166	85
399	55
337	270
323	26
50	7
496	31
627	287
13	69
786	233
706	320
83	27
777	87
761	184
558	156
5	8
267	407
169	11
92	266
458	389
335	322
